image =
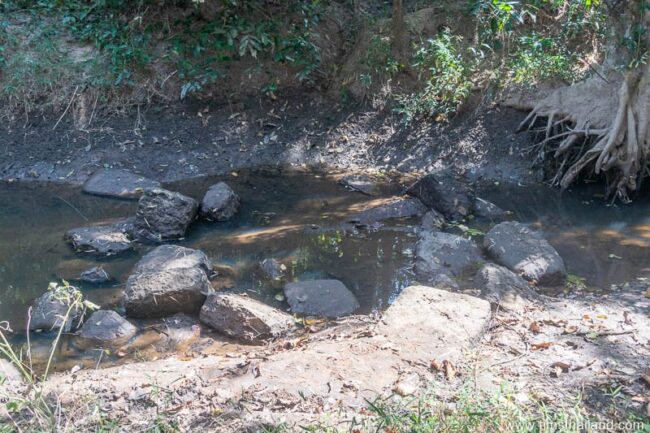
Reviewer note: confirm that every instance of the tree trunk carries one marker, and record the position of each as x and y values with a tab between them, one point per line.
398	27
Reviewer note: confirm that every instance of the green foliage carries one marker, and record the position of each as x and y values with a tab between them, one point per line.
446	76
132	39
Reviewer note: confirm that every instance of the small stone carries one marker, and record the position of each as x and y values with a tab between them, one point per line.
327	298
243	318
106	327
220	203
95	275
101	240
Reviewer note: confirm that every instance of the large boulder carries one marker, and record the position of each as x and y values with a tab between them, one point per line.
406	207
220	203
168	280
163	215
243	318
57	308
102	240
444	193
440	253
115	182
327	298
525	252
503	287
107	328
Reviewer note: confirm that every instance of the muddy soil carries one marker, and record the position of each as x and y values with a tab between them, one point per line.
198	138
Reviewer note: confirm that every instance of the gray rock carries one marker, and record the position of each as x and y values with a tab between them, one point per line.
101	240
328	298
220	203
243	318
488	210
107	328
504	288
407	207
163	215
271	269
50	310
166	257
95	275
444	193
170	279
115	182
361	183
432	221
525	252
444	253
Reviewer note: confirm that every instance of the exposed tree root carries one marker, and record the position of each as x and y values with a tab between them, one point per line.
587	127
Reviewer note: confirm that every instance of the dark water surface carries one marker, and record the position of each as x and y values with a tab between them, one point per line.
297	218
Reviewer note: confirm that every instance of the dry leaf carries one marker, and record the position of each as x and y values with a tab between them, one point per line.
435	365
541	346
450	371
535	328
571	329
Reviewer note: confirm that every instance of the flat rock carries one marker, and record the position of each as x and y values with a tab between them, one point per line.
115	182
444	193
405	207
163	215
107	328
444	253
243	318
503	287
327	298
435	322
525	252
95	275
361	183
102	240
220	203
168	280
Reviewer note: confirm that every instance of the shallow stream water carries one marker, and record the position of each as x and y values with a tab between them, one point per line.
298	218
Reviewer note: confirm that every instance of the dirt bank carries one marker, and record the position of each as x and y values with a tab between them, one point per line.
183	141
551	352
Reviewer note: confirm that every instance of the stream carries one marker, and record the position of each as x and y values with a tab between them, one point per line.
300	219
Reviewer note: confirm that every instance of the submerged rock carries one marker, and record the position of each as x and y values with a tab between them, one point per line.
444	193
107	328
525	252
361	183
444	253
179	332
170	279
504	288
163	215
102	240
95	275
115	182
328	298
51	308
243	318
220	203
407	207
488	210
